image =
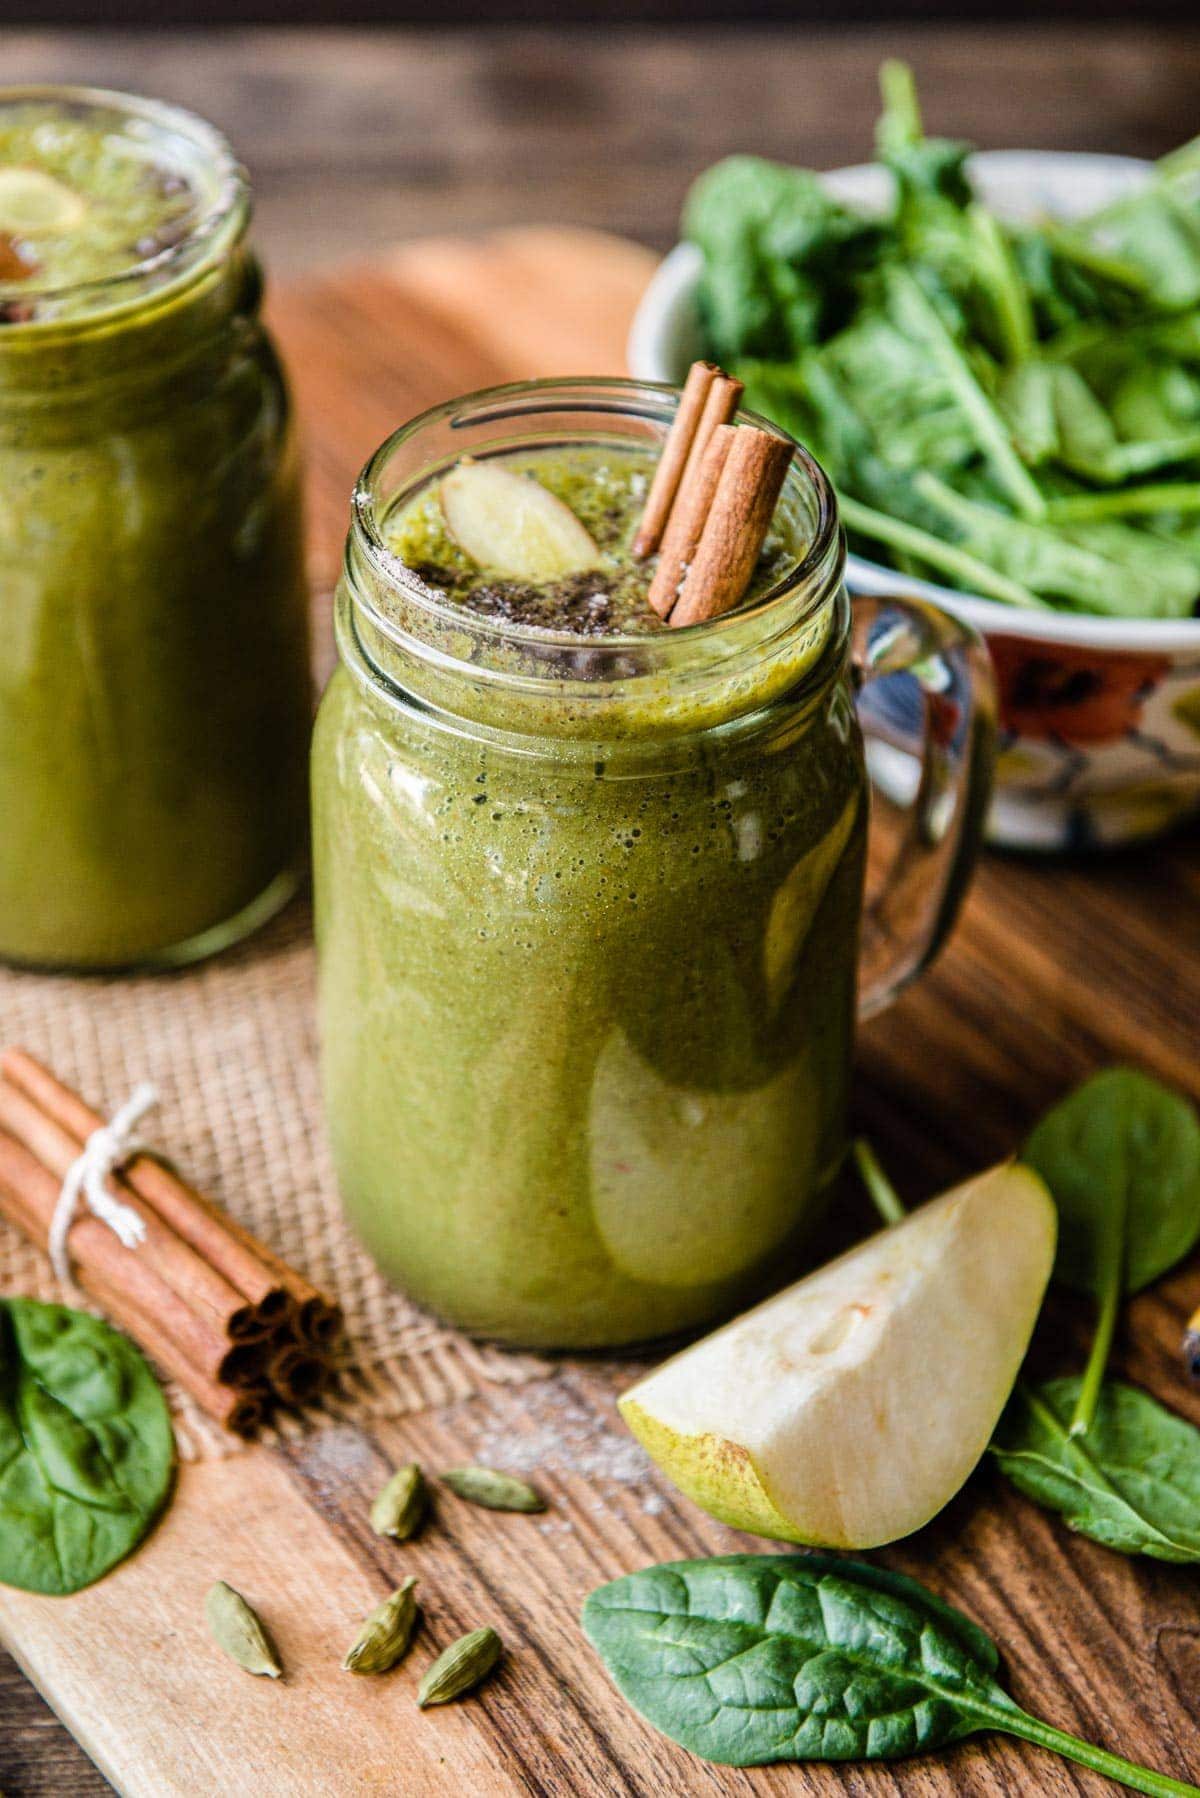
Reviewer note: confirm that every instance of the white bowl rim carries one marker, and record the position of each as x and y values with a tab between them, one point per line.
650	354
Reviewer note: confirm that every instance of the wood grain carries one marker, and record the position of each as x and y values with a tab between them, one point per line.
356	139
1057	968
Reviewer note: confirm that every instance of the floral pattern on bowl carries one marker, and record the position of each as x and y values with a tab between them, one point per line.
1095	746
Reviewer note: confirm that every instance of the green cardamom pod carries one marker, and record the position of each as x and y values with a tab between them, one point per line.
461	1667
398	1510
237	1629
385	1634
498	1491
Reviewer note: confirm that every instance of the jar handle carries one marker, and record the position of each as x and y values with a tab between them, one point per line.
930	744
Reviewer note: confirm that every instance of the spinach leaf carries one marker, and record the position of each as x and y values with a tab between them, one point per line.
1157	233
923	166
780	256
750	1659
1083	565
1068	283
86	1447
918	319
1131	1482
1121	1155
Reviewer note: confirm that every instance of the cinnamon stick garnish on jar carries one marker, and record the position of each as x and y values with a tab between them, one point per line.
709	398
214	1306
686	528
749	485
711	501
672	461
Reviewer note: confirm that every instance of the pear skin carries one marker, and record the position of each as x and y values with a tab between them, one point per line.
848	1410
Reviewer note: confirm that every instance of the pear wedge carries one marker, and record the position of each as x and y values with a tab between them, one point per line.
511	524
34	204
846	1411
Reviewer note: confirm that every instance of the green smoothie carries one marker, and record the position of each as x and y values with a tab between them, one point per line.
587	902
154	692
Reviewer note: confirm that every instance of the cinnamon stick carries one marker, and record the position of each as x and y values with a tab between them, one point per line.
220	1311
241	1410
669	471
739	517
122	1282
687	523
321	1326
246	1264
724	397
195	1284
683	452
296	1376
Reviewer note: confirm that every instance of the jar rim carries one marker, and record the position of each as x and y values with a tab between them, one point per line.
818	569
225	210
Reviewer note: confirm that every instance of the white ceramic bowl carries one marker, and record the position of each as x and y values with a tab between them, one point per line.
1100	717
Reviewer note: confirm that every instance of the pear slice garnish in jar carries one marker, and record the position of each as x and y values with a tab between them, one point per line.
34	204
513	526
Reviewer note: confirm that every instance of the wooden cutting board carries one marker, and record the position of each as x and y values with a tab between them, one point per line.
1057	968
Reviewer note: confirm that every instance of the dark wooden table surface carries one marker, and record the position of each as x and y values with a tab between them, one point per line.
356	140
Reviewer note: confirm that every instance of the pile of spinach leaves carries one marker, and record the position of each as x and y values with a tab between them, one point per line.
1013	410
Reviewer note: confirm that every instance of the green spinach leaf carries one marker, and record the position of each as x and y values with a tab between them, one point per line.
86	1447
1131	1482
781	256
1121	1155
749	1659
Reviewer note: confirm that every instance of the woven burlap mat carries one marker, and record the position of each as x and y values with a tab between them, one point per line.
231	1046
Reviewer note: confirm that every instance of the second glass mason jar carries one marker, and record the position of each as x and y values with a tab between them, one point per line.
588	912
154	671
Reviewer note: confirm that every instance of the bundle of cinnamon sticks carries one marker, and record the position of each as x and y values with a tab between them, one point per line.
711	501
219	1311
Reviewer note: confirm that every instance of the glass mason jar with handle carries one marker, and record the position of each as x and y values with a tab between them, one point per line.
588	910
154	676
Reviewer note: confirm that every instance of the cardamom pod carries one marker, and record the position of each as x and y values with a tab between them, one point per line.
398	1510
385	1634
498	1491
460	1667
237	1629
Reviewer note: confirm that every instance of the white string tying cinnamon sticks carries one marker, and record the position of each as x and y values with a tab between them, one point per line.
216	1309
105	1150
